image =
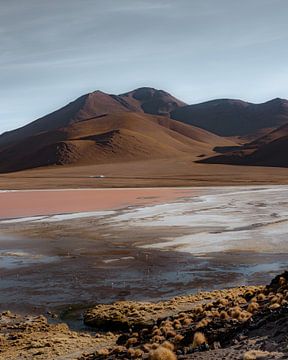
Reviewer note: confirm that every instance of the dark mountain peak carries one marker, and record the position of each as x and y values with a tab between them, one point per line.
154	101
236	102
225	102
147	93
143	93
277	102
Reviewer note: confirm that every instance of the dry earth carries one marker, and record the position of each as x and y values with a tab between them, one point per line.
150	173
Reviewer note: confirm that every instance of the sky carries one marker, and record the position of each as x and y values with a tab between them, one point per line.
55	51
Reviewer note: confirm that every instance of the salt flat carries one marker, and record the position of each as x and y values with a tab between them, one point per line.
231	218
225	219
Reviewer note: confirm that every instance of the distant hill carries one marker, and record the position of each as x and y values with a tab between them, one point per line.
269	150
227	117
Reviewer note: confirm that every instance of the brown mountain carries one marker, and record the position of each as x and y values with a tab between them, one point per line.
144	100
116	137
100	128
227	117
268	150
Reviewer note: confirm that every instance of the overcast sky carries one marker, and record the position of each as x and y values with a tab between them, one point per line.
54	51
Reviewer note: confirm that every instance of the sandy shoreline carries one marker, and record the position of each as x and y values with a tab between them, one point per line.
141	174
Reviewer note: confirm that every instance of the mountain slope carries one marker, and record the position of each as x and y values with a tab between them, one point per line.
227	117
269	150
95	104
122	136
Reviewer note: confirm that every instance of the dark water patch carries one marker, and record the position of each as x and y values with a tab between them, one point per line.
111	268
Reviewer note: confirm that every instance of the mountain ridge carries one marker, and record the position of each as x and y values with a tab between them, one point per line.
93	104
142	124
234	117
159	102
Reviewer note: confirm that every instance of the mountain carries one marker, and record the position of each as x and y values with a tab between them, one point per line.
147	123
108	138
224	117
268	150
144	100
227	117
152	101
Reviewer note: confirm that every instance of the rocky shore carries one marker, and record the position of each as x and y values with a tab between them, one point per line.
239	323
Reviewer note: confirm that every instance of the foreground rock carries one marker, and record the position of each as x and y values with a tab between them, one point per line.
244	323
